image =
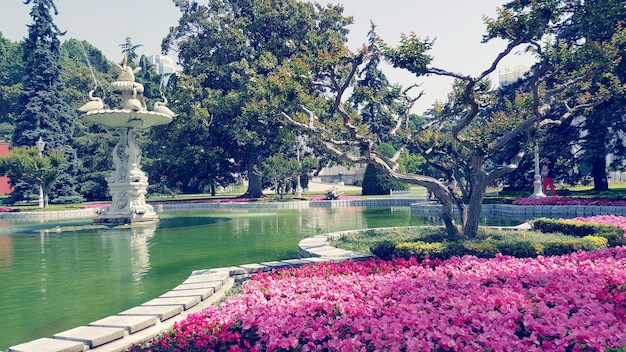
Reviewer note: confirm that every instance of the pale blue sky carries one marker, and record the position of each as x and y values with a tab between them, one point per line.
455	24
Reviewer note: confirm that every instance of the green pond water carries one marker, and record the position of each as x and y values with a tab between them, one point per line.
59	275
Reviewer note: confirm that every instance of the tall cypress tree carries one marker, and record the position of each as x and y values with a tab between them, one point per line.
46	115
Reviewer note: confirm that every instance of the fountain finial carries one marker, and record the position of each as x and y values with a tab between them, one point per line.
125	72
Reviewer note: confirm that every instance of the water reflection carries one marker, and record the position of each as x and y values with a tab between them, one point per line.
139	254
6	252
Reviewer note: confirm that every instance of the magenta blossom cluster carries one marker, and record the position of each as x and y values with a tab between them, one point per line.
317	198
569	201
196	201
561	303
619	221
95	206
216	200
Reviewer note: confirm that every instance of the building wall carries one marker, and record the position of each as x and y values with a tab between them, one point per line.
348	175
5	188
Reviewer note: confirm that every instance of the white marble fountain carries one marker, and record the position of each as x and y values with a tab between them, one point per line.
127	183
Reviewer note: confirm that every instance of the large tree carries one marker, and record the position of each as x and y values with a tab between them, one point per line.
560	85
30	166
45	114
11	73
604	127
84	69
227	49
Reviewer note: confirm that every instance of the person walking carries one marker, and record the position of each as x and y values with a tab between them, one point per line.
547	180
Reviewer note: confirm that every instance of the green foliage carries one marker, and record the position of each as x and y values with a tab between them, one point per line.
420	250
410	54
30	166
377	182
45	114
424	243
232	87
281	173
129	49
384	249
411	163
386	149
613	234
521	249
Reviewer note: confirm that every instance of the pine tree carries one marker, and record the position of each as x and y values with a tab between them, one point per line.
46	115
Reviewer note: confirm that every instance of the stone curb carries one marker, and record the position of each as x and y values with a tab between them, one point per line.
201	289
37	216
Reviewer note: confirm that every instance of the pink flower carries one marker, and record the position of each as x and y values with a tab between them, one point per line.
572	302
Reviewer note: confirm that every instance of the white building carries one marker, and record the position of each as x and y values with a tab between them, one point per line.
512	74
349	175
164	65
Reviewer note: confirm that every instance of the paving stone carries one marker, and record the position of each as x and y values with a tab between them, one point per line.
276	265
49	345
206	279
214	285
254	268
295	262
161	312
316	260
203	293
185	302
132	323
92	336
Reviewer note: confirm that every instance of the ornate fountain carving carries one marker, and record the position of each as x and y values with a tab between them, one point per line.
127	183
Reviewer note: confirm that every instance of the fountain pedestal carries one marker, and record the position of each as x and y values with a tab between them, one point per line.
127	183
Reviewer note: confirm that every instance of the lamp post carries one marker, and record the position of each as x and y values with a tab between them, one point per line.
537	192
300	142
40	145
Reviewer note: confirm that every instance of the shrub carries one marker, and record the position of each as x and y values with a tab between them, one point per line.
384	249
67	200
614	234
566	227
481	249
376	182
419	250
592	243
561	247
523	249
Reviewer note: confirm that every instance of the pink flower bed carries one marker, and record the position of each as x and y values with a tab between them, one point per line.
569	201
561	303
95	206
316	198
619	221
224	200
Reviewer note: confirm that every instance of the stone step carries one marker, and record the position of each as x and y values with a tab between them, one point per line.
92	336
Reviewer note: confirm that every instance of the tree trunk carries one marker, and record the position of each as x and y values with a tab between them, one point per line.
474	209
441	192
447	215
475	203
255	183
598	172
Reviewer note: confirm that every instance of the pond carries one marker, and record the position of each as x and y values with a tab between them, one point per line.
58	275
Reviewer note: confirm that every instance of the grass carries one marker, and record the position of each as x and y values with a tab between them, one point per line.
363	241
616	191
